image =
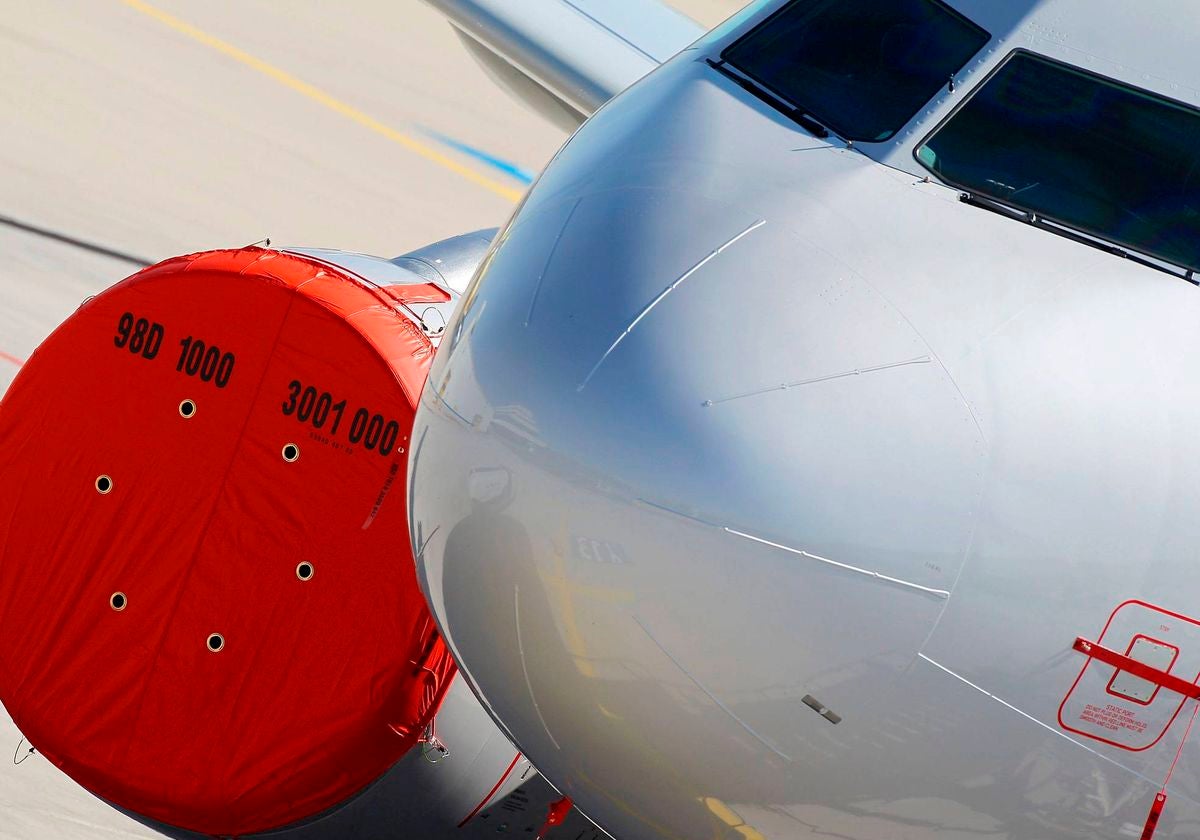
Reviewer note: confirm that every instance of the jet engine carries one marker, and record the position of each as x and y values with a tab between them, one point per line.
209	615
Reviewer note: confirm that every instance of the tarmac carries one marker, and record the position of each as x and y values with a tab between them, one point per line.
132	132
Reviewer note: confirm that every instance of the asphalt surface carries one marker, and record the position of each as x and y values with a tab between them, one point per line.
131	132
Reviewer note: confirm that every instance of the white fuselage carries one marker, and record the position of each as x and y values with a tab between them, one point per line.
762	486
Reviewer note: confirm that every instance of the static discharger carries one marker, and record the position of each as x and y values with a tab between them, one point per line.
279	354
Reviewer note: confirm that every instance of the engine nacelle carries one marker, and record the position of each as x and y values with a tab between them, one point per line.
209	614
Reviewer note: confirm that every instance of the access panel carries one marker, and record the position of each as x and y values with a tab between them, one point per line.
1136	677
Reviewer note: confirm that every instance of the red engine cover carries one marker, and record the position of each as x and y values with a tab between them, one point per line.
209	613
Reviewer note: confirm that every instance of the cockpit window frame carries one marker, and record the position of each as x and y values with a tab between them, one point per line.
780	101
1049	222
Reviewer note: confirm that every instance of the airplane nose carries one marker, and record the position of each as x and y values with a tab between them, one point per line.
678	469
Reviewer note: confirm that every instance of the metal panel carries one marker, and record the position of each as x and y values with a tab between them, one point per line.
851	440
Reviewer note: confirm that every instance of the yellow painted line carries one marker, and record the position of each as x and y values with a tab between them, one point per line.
731	818
722	811
322	98
575	643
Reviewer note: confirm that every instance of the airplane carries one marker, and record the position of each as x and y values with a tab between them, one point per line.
209	613
838	378
851	558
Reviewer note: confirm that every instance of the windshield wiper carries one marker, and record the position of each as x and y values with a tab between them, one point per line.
1019	214
806	120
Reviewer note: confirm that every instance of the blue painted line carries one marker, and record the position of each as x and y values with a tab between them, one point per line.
507	167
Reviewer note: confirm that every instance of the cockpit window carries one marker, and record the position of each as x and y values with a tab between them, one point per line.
1090	153
863	68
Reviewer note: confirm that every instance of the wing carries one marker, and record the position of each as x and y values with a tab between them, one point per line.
566	58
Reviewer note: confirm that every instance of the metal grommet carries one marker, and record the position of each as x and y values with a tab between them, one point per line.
216	642
291	453
104	485
118	601
187	409
305	571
